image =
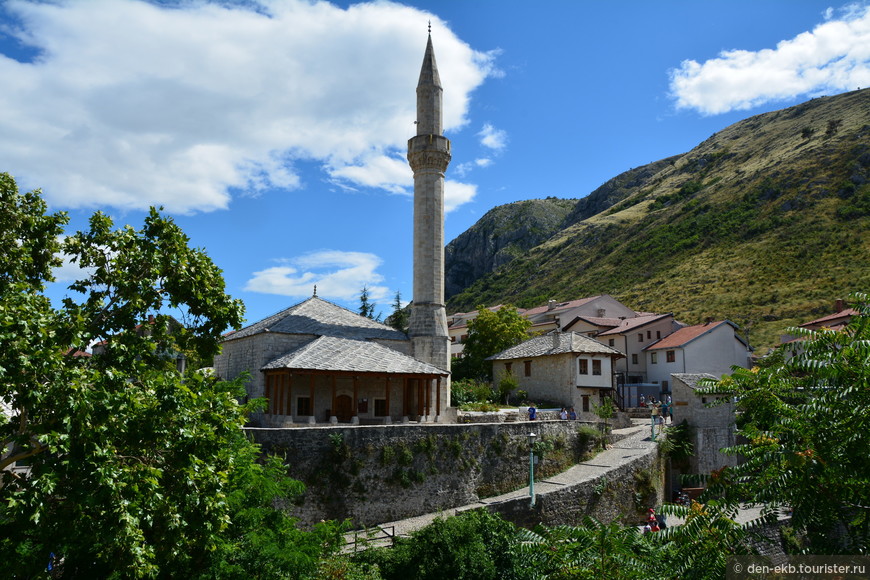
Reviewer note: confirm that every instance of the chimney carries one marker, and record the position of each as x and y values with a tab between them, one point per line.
839	306
557	338
551	304
601	312
708	320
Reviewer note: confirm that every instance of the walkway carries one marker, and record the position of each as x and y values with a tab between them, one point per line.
633	442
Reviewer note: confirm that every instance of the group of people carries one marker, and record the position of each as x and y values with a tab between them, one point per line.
660	411
654	522
565	414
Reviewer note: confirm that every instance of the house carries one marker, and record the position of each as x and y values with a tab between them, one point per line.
835	321
551	316
711	348
711	426
565	368
630	335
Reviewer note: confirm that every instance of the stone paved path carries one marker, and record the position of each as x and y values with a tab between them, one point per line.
634	441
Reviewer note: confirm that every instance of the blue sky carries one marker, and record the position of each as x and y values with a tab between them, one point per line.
274	132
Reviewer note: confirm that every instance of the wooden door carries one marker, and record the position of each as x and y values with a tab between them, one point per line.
343	408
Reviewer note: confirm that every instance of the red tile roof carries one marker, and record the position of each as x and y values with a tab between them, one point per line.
630	324
831	320
685	335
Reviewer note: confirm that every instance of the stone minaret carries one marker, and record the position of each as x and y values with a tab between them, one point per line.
429	155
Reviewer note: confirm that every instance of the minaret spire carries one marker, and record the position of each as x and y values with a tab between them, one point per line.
429	155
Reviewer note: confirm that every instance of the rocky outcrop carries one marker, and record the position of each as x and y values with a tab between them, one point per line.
499	236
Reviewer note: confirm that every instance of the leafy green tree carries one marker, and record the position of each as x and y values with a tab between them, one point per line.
507	385
605	411
474	545
135	468
399	318
490	333
366	306
807	426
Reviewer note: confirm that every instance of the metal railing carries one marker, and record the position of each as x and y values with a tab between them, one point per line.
376	537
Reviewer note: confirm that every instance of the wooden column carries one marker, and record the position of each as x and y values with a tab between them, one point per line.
428	397
406	384
355	395
438	397
420	404
311	393
387	396
332	409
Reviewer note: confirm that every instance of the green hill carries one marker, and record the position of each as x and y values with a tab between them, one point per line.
764	223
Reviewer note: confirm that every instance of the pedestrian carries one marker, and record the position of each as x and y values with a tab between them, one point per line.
533	413
572	414
665	411
642	400
563	414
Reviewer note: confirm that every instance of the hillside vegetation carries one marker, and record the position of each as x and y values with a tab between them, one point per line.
765	223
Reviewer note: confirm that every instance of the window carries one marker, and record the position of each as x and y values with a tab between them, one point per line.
381	408
596	367
670	356
640	337
528	369
611	342
649	334
634	359
654	358
586	403
665	386
584	366
303	406
658	333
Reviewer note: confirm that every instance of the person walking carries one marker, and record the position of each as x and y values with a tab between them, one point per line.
533	413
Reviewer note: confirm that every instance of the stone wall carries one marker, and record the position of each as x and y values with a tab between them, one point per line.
623	494
381	473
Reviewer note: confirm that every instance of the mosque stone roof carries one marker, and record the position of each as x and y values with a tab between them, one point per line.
333	354
319	317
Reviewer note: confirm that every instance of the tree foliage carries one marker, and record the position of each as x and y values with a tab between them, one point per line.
490	333
399	318
366	306
807	426
136	469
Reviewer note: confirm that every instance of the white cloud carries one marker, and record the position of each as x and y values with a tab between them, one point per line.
130	103
337	275
456	194
834	57
492	137
391	173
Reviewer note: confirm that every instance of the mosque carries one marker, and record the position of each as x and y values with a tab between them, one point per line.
317	362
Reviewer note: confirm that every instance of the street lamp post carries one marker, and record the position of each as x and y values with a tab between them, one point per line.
532	468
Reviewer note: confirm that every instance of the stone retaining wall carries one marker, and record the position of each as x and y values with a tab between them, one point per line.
376	474
623	494
379	473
